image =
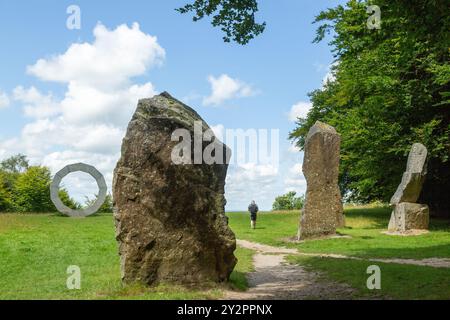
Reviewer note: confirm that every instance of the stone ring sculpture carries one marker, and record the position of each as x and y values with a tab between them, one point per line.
54	190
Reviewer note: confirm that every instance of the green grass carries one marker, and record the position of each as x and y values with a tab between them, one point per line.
244	266
364	226
35	251
404	282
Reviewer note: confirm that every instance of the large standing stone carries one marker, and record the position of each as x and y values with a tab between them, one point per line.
323	210
408	215
414	177
170	221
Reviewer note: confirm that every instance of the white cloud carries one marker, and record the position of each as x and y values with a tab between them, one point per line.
225	88
36	104
219	131
241	175
299	110
295	182
110	61
294	149
252	171
88	104
250	182
88	122
297	169
330	75
99	76
4	100
82	186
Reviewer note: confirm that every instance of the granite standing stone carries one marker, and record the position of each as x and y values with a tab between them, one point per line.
170	221
323	210
408	215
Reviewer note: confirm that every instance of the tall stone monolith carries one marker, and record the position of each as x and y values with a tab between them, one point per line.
170	221
323	210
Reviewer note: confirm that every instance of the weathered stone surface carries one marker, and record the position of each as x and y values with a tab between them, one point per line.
414	177
323	210
409	216
170	221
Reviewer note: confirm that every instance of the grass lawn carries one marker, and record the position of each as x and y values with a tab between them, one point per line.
403	282
364	226
35	251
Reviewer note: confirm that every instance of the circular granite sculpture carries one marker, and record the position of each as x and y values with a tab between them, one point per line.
54	190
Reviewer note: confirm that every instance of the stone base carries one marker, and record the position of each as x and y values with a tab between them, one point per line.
409	216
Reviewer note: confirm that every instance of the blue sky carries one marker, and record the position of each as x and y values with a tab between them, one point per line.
43	107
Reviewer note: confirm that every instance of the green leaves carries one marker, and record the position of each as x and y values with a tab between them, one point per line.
32	191
288	201
15	164
236	18
5	194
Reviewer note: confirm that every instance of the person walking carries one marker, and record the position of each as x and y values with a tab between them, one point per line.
253	209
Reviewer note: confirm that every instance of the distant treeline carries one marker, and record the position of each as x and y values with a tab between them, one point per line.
25	188
288	201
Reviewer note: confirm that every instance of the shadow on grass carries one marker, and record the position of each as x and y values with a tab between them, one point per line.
380	216
440	225
397	281
414	252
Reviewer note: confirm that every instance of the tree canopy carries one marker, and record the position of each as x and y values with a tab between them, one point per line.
288	201
15	164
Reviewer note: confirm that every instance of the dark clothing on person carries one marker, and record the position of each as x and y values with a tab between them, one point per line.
253	208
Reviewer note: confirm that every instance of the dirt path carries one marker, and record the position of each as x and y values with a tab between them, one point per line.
275	279
430	262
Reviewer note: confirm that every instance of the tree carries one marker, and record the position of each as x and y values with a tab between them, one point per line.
107	206
5	194
391	89
27	189
32	191
67	200
10	170
236	18
15	164
288	201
